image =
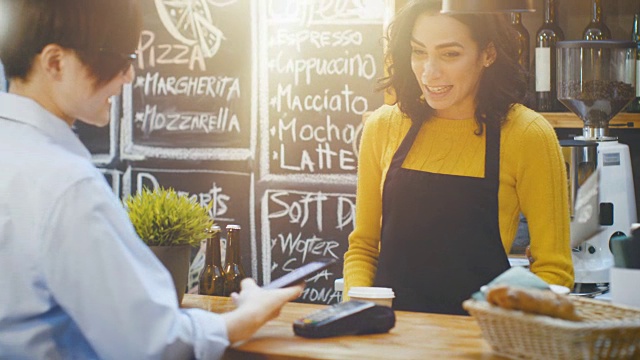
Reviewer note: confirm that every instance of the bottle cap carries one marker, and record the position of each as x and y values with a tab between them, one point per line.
213	229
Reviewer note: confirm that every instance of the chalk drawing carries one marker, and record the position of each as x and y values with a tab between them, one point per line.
191	22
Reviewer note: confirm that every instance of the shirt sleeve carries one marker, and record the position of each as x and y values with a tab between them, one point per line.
113	287
361	259
543	194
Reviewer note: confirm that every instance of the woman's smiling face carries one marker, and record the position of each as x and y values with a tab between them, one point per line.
448	64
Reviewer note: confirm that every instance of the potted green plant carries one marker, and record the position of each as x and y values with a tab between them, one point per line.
171	225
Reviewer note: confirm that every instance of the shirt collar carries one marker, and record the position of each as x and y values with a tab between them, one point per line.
27	111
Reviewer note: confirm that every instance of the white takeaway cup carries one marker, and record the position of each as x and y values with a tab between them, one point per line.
379	295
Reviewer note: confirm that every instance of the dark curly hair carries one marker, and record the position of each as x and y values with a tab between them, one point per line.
502	85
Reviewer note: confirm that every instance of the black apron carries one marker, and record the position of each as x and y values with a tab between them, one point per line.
440	238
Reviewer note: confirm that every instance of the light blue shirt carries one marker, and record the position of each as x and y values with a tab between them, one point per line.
76	282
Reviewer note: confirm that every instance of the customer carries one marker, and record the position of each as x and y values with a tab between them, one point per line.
445	172
77	282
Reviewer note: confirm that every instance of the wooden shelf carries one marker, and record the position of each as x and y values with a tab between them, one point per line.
570	120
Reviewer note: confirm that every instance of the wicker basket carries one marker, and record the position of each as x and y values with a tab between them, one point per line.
606	332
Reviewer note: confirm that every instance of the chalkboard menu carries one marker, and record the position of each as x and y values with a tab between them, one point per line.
229	192
300	226
320	61
193	96
256	106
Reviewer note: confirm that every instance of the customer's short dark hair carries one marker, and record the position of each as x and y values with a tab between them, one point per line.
98	30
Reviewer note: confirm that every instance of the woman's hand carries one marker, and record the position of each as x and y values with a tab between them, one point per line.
527	252
256	306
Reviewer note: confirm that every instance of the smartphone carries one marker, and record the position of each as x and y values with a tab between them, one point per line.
300	274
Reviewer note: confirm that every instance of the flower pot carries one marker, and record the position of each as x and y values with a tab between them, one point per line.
176	260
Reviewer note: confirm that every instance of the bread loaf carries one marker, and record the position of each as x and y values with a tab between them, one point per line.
534	301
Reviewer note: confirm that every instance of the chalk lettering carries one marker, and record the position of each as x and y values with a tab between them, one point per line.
324	156
313	245
328	132
323	295
356	66
305	164
345	214
317	39
151	120
287	266
342	102
150	54
224	87
322	275
214	196
291	265
215	199
146	180
298	211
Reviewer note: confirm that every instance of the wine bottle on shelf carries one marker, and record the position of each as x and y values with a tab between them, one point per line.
545	60
634	106
523	40
233	271
212	275
597	29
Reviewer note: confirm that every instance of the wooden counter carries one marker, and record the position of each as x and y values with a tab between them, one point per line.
415	336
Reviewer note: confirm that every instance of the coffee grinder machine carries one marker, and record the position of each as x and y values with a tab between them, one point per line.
596	80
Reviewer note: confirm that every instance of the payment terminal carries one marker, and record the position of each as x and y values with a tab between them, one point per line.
347	318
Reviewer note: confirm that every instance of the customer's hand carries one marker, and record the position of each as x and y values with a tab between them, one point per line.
256	306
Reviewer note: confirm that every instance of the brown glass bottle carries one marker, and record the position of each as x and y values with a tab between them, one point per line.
597	29
545	60
233	271
212	276
522	36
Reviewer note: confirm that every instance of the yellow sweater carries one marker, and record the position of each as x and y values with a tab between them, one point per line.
532	181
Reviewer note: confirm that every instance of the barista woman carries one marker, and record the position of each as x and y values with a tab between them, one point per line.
445	172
